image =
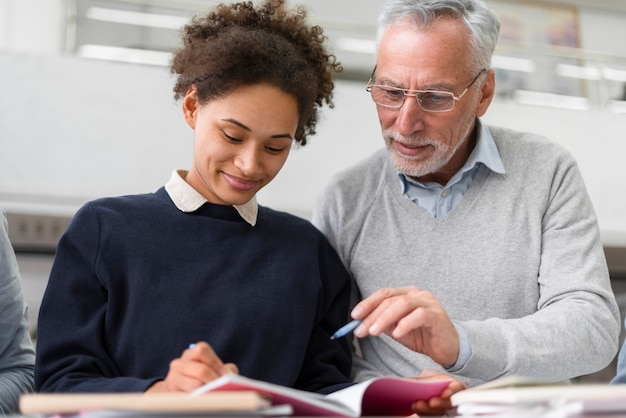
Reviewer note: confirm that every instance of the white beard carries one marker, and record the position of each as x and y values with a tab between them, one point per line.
418	166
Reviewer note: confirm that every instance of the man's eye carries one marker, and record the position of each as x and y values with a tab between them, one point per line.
394	94
434	97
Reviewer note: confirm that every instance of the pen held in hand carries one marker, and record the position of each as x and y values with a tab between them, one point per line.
346	329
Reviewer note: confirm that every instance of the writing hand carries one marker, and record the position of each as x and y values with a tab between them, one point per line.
414	318
198	365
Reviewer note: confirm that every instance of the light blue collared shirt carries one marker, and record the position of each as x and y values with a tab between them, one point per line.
188	199
438	201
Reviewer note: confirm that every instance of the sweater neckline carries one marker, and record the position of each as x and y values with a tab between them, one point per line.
458	213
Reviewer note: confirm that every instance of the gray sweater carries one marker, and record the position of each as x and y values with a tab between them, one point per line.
17	355
518	263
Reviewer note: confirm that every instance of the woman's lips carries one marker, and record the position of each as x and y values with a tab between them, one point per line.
239	183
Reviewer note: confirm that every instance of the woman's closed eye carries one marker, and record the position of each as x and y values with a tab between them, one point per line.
275	149
231	138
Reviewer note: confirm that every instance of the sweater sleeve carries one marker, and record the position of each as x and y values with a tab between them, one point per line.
72	354
576	326
327	363
17	356
620	375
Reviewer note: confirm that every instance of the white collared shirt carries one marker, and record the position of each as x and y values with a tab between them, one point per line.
188	199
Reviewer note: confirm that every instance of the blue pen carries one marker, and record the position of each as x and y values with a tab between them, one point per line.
346	329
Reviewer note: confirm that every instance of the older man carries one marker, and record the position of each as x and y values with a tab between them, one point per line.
474	249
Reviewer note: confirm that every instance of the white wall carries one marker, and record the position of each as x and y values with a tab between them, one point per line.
76	129
72	130
602	31
32	25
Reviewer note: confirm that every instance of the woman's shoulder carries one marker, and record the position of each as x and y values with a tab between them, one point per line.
126	206
282	217
287	224
130	199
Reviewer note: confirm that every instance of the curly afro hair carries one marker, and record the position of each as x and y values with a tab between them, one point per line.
240	44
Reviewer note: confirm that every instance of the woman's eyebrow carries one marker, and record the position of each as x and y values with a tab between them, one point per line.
236	122
242	126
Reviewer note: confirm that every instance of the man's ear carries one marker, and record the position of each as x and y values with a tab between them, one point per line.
487	92
191	107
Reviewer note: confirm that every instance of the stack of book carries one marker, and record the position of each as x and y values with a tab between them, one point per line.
517	397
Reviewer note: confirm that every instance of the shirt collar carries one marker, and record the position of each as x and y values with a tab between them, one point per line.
485	152
188	199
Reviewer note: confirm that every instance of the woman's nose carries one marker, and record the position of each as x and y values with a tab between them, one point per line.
248	161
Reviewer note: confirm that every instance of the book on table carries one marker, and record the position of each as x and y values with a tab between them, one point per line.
382	396
139	403
516	393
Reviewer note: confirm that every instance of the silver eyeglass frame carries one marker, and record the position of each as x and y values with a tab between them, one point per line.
417	93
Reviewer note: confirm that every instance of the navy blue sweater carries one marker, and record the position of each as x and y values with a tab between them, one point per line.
135	281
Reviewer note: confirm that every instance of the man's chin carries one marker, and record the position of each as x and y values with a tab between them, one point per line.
408	166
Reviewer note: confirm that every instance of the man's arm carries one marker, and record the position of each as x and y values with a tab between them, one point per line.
620	376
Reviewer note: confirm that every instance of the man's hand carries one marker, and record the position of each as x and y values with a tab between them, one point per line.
441	404
198	365
412	317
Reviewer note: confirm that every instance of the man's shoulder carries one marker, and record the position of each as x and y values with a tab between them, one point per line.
351	192
517	144
369	169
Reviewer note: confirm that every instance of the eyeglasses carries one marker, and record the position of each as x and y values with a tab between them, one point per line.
428	100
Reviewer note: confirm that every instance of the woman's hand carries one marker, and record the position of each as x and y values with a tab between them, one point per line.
198	365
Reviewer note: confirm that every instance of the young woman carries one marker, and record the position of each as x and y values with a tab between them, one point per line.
137	279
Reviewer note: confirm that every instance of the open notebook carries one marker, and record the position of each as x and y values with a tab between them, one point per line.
238	395
383	396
